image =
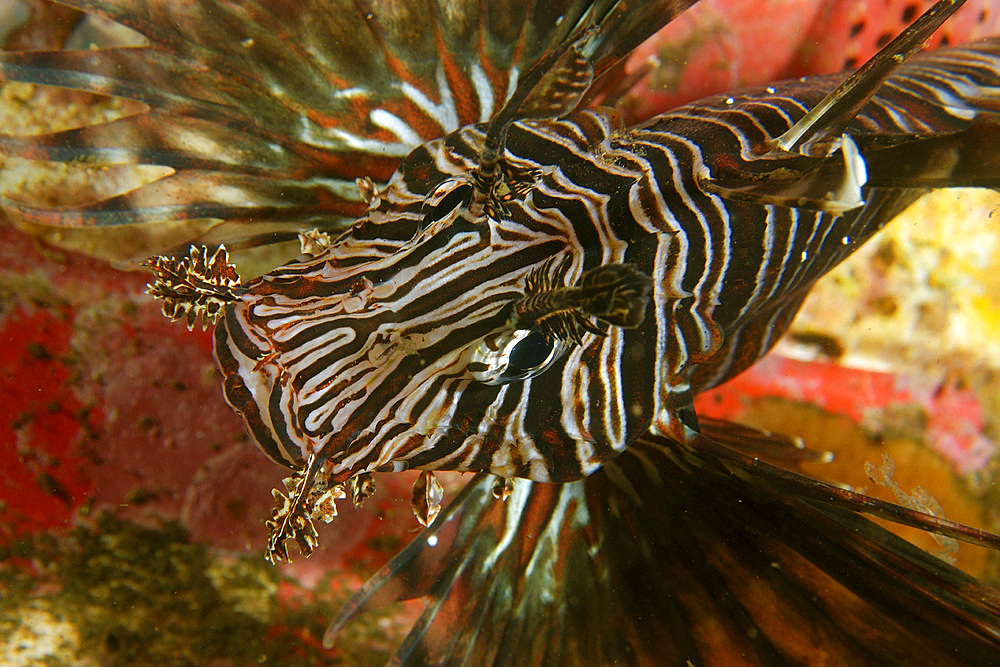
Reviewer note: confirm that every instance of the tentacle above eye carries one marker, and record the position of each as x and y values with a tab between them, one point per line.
612	294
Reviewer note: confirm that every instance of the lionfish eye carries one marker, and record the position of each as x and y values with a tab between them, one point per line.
446	198
530	352
515	354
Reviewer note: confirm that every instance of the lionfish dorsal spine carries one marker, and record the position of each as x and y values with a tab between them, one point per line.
814	164
827	120
560	79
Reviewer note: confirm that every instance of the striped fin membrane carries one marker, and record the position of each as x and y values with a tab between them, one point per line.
263	117
713	564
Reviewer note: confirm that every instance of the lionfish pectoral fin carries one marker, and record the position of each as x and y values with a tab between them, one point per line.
750	466
755	442
969	157
827	120
425	563
779	178
242	101
654	561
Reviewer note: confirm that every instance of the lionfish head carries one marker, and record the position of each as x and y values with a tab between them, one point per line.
462	324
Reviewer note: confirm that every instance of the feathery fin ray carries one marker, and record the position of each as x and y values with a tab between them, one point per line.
674	537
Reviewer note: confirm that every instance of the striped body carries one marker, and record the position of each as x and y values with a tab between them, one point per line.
360	354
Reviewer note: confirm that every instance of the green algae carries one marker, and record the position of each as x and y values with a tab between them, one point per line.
113	592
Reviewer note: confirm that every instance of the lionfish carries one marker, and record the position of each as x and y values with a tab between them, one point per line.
499	275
